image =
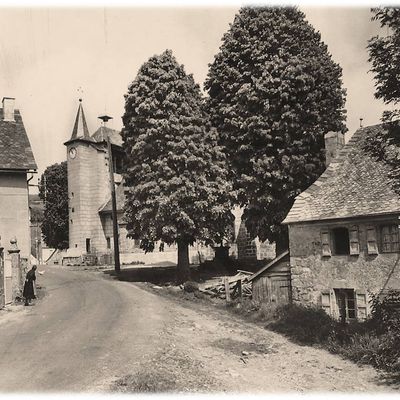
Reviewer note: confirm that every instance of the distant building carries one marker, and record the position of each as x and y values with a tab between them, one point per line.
16	161
344	231
89	198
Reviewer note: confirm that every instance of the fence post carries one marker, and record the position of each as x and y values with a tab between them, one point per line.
227	289
17	276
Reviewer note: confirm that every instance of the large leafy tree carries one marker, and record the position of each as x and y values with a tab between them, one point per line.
274	92
53	190
176	183
384	54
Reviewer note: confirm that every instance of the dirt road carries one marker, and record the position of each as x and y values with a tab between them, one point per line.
91	334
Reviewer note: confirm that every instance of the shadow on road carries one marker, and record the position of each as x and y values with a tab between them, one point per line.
165	274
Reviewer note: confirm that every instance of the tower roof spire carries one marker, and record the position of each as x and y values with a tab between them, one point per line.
80	127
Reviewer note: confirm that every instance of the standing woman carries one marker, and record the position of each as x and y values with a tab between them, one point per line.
29	293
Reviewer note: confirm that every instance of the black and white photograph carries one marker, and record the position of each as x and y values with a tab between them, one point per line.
199	198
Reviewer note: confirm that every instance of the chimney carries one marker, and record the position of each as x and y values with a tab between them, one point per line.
8	108
334	141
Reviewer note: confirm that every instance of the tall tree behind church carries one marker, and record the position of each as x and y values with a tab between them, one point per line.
177	187
53	190
274	92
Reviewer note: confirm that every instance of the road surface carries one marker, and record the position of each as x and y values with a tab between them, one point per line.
86	328
91	334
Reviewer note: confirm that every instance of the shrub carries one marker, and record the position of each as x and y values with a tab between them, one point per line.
306	324
191	286
360	347
386	312
387	356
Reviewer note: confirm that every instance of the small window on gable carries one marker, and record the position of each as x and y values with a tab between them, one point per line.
341	241
108	243
390	239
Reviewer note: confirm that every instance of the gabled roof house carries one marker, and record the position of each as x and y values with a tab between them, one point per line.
344	230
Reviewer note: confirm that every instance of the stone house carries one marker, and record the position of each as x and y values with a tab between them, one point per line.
344	231
16	161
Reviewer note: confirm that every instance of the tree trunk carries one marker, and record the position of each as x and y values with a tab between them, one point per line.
183	271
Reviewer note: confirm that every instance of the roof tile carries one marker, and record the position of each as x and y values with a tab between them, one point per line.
15	148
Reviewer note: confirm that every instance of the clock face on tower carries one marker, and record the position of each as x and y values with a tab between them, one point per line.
72	152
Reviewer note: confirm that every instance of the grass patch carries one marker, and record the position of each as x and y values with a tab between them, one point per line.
170	371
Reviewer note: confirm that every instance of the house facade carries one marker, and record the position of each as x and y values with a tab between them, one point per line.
344	231
16	161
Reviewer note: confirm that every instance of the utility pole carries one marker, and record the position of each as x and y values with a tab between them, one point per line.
117	264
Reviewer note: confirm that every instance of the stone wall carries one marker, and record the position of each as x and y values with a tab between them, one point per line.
311	272
88	190
252	249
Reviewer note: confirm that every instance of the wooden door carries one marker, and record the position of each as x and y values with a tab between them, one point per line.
280	290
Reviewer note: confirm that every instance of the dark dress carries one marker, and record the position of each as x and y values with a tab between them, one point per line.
28	287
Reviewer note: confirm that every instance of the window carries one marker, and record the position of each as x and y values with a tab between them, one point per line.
390	239
73	209
87	245
118	163
108	243
341	241
346	304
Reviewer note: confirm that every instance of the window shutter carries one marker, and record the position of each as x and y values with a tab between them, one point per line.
326	301
361	305
334	306
326	246
372	244
354	241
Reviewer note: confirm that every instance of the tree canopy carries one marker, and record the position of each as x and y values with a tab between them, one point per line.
384	54
274	91
53	190
176	182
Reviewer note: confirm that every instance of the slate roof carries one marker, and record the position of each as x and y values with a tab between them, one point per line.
103	132
120	198
355	184
15	149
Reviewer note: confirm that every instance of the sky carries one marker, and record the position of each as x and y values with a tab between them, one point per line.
50	57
